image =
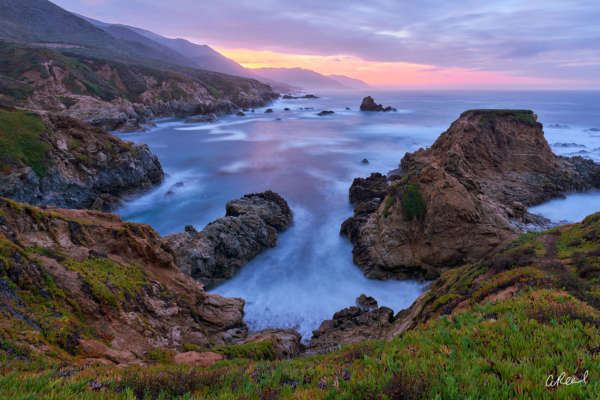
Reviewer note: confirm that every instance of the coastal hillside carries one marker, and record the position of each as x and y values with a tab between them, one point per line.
478	333
58	160
117	96
461	199
300	78
42	23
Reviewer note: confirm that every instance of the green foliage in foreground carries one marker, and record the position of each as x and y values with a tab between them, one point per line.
496	351
20	140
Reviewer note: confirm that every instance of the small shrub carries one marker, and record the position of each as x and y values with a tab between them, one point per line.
413	204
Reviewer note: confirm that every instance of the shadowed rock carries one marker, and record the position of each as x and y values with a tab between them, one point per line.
368	104
462	198
217	253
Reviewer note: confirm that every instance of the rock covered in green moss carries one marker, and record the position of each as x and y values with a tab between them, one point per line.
463	197
55	160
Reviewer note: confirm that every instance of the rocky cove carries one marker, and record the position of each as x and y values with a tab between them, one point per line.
139	291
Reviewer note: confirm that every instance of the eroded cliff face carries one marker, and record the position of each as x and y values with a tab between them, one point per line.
116	96
94	285
461	199
55	160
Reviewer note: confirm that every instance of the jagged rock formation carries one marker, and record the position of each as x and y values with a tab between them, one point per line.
217	253
461	199
94	285
116	96
365	321
368	104
57	160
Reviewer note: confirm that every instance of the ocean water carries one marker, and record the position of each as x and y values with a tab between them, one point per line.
311	161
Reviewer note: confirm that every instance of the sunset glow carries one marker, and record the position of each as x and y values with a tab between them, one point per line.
380	73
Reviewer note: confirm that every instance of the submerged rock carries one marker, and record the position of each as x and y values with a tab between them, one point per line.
217	253
368	104
461	199
201	118
268	110
325	112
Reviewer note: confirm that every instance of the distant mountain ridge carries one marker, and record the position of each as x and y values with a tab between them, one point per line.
308	79
42	23
351	83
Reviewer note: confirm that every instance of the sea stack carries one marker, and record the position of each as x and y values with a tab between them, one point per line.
462	198
368	104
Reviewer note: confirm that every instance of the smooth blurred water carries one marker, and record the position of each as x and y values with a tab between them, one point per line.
311	161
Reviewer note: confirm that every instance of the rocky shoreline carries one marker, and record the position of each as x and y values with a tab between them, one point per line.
71	164
116	96
463	198
250	226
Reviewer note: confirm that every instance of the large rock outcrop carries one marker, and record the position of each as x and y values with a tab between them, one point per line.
217	253
368	104
462	198
94	285
56	160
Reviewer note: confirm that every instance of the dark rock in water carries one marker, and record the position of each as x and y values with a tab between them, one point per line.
306	96
325	112
365	161
459	200
170	193
178	184
558	126
579	146
593	130
79	166
268	110
201	118
348	108
365	321
286	109
368	104
217	253
240	114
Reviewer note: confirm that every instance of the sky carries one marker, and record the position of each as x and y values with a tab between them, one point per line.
535	44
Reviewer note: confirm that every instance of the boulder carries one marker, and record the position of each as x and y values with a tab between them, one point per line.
364	321
217	253
286	342
461	199
368	104
203	359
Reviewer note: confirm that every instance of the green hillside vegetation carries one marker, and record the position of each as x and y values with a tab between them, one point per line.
20	141
21	65
494	330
